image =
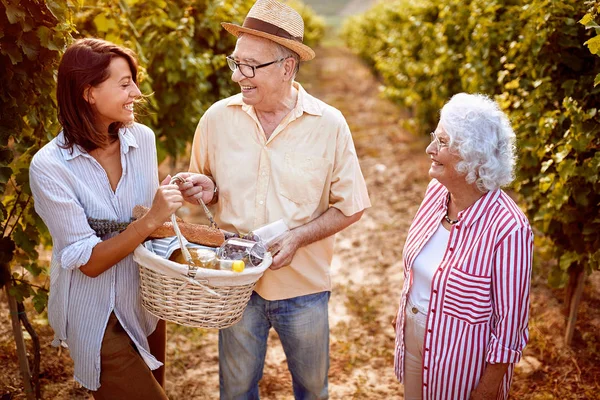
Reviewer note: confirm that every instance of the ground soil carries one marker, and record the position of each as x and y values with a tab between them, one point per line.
367	279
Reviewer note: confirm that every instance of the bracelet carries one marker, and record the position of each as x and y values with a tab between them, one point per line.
138	232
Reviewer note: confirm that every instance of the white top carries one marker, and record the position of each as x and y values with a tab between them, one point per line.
424	268
68	187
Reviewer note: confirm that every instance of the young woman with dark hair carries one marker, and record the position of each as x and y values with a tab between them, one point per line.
100	166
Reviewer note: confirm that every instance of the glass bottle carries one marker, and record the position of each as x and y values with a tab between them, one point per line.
203	258
252	253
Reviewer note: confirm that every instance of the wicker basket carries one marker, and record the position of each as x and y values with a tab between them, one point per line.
212	299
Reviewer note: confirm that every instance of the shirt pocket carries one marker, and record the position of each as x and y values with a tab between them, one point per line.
303	177
467	297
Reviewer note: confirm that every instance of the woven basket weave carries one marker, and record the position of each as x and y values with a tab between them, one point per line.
211	299
193	305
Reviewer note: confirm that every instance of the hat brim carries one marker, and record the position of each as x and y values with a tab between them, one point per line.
305	52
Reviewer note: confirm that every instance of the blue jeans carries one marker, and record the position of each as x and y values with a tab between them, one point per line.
302	324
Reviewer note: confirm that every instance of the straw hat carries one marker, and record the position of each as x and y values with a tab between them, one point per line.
277	22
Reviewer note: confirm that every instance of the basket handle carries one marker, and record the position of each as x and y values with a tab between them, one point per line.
183	242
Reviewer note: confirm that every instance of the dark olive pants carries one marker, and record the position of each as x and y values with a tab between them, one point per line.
124	374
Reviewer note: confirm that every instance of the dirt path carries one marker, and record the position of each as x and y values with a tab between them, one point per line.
367	267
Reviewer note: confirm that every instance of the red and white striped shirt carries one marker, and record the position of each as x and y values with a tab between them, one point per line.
479	307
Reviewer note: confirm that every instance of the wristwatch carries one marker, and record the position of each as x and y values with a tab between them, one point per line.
215	197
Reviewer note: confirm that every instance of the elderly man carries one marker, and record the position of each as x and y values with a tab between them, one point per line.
275	152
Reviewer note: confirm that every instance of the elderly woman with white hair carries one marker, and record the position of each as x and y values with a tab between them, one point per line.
462	323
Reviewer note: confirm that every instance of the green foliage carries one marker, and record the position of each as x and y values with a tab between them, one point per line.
589	21
539	63
33	35
314	25
183	47
415	47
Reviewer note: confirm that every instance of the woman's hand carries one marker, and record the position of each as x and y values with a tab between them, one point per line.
196	185
478	394
167	200
490	381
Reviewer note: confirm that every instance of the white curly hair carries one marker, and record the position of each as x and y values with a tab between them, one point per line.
481	134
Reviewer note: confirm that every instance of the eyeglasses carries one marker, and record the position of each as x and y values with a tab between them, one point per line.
249	71
437	141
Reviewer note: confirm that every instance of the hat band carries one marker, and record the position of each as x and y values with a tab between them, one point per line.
260	25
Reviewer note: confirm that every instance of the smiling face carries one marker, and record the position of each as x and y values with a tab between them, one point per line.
113	99
269	83
444	160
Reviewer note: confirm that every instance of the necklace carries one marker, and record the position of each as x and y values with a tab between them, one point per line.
450	221
446	217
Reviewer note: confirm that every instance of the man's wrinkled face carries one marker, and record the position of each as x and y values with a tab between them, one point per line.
266	86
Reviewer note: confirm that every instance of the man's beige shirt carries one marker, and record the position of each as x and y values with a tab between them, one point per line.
308	164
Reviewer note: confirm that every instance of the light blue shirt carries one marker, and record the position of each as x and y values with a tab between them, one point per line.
68	187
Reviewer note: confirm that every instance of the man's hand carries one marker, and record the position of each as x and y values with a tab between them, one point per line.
284	250
196	186
325	225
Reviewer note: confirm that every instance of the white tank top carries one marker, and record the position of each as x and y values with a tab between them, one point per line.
424	268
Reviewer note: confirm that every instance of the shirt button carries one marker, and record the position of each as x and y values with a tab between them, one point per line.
426	348
440	269
429	330
434	291
451	249
425	368
261	202
424	385
457	226
433	311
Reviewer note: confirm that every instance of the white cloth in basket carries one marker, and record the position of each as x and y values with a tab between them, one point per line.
145	255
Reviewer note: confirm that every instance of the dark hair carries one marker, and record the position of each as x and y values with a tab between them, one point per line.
84	64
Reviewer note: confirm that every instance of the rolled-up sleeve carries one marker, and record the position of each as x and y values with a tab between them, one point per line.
59	208
199	160
348	191
510	289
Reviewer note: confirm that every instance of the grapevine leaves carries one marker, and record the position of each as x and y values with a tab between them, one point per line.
32	38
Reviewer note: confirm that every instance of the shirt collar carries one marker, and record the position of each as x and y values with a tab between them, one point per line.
479	208
305	103
126	140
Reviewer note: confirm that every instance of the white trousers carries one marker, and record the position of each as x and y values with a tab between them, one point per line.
414	336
